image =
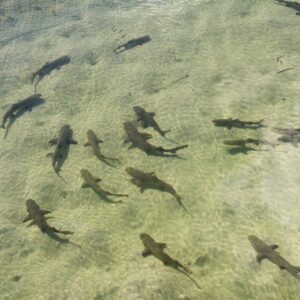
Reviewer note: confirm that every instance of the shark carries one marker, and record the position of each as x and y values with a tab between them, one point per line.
244	142
93	141
144	179
265	251
26	104
133	43
286	131
230	123
147	119
289	135
292	4
139	140
37	217
48	67
157	249
62	143
91	181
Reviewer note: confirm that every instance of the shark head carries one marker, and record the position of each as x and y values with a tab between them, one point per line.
255	242
144	236
128	125
138	110
29	202
130	171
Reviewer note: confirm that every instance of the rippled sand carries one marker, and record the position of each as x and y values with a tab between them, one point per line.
229	50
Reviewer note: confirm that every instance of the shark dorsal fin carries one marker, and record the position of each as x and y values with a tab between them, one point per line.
260	257
97	179
274	246
162	245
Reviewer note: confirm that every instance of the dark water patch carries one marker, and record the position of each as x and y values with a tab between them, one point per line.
16	278
91	58
25	253
4	230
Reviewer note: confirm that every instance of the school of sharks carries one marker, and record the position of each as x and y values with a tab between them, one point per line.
143	179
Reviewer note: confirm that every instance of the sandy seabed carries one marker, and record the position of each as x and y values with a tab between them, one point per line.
228	49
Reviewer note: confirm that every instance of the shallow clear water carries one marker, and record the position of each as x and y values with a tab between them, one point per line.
228	49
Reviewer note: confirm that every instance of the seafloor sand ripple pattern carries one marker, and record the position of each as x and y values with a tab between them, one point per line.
228	49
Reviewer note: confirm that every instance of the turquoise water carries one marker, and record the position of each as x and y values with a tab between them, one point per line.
228	49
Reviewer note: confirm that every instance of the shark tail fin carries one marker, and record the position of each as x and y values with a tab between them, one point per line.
174	150
179	200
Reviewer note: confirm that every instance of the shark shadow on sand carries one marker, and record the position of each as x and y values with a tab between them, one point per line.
292	4
59	239
243	150
20	112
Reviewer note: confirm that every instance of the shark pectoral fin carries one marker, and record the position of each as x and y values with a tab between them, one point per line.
127	140
99	141
44	211
131	146
53	142
146	136
86	144
260	257
152	114
274	246
27	218
162	245
281	267
85	185
142	189
30	224
146	253
50	154
73	142
151	173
